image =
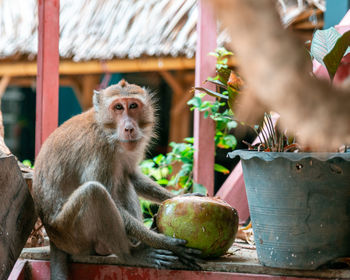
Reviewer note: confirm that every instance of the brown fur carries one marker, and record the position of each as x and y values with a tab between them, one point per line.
87	181
277	70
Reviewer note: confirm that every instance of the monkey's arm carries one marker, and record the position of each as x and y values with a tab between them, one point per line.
149	189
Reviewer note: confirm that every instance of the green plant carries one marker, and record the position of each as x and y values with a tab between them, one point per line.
228	86
161	167
148	210
328	47
271	139
28	163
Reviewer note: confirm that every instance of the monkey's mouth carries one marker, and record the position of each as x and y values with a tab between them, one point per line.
130	144
130	140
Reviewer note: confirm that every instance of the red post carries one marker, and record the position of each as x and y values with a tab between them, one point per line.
204	129
47	74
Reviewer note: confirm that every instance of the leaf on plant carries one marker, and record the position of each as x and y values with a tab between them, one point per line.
189	140
214	54
217	83
145	204
232	94
147	163
158	159
157	174
163	182
231	124
211	93
230	141
196	101
198	188
148	222
323	42
183	181
333	58
224	74
27	163
221	169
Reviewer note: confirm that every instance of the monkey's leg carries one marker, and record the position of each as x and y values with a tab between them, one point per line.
90	222
59	263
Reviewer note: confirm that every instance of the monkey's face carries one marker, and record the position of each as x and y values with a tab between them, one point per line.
127	113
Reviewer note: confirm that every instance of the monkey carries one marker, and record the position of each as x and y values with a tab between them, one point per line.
87	182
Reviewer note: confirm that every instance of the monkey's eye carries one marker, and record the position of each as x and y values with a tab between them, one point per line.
118	107
133	105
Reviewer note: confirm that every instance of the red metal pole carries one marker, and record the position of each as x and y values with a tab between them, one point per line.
204	129
47	74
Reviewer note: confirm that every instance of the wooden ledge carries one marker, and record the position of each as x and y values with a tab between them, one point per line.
239	260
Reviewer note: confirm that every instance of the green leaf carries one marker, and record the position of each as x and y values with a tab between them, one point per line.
221	51
148	222
323	42
231	124
163	182
333	58
206	105
211	93
224	74
214	54
158	159
189	140
230	141
145	204
213	78
186	168
221	169
147	163
157	174
217	83
196	101
183	181
198	188
27	163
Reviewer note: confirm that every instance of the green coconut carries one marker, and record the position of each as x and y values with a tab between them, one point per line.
208	224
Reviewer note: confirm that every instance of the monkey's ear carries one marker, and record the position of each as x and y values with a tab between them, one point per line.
96	100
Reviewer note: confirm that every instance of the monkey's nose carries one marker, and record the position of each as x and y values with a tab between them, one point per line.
129	129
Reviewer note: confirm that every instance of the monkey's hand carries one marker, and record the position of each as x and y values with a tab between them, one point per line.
188	256
158	258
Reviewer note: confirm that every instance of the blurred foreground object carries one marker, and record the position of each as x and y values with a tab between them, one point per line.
278	75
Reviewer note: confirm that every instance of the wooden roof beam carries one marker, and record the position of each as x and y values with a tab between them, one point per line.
98	67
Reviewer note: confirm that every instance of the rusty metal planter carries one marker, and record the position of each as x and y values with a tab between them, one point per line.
299	205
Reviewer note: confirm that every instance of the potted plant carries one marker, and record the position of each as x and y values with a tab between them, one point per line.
299	200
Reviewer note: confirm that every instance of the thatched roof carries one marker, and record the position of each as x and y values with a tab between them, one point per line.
291	9
106	29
